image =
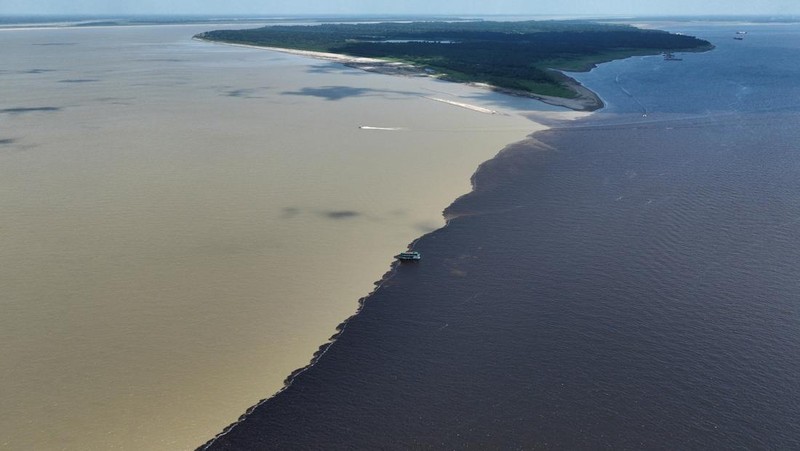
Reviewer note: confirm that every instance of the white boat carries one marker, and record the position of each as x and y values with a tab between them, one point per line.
412	255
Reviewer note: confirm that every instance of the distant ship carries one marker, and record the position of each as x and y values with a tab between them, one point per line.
413	255
740	35
669	56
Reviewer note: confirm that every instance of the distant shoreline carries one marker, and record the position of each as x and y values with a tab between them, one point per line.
586	100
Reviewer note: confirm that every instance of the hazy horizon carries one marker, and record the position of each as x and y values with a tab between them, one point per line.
412	7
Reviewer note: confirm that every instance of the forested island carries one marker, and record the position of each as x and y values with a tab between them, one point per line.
519	57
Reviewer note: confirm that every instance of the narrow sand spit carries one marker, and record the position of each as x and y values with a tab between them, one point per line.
586	100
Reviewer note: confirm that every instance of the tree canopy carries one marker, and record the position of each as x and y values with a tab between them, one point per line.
511	55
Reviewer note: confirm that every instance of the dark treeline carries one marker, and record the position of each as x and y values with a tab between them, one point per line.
515	55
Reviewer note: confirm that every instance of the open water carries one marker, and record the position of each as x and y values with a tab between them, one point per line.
627	282
183	223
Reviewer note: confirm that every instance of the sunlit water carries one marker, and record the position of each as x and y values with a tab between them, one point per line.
184	223
622	283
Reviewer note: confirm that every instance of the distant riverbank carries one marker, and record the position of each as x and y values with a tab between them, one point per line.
520	58
585	100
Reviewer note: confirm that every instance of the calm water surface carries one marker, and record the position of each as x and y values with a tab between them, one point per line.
628	282
183	224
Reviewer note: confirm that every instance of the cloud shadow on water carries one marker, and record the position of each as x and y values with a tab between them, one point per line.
290	212
341	214
245	93
22	110
79	80
342	92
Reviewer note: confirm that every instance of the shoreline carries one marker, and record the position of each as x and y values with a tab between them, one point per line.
586	101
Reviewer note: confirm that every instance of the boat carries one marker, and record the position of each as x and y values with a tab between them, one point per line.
669	56
408	256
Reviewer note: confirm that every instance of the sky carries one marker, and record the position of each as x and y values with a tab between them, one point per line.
387	7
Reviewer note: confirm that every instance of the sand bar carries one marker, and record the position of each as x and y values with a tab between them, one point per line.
586	100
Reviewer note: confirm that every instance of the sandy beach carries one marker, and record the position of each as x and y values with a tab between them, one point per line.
586	100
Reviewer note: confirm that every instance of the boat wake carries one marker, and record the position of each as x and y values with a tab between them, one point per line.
629	94
368	127
479	109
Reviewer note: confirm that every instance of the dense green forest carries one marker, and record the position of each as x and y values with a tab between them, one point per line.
511	55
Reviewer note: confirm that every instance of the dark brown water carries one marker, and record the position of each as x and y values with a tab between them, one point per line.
625	283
